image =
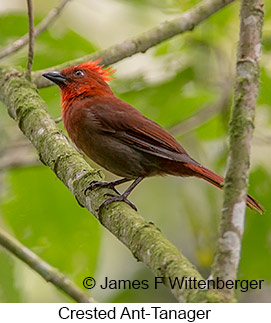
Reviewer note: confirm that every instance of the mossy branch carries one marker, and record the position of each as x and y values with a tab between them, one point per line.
142	42
144	240
241	128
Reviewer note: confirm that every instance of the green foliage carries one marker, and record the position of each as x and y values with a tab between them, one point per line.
46	218
256	251
9	292
170	101
52	47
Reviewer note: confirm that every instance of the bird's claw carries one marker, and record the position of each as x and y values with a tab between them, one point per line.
77	199
98	184
117	198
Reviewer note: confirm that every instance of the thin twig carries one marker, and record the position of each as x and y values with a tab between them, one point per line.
40	28
142	42
31	39
46	271
227	256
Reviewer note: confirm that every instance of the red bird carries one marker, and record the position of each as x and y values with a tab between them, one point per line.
118	137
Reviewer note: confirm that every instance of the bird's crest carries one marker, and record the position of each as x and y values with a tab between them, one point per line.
105	73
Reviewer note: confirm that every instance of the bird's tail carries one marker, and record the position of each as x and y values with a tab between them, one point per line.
218	181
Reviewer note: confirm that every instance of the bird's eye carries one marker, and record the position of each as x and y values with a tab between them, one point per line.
79	73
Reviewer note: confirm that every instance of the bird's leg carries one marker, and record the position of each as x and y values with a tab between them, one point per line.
97	184
123	196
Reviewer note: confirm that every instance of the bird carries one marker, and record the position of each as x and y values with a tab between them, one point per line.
118	137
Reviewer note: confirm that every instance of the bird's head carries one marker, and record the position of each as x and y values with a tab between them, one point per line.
85	79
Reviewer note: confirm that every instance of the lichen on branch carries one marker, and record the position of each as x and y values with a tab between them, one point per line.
241	129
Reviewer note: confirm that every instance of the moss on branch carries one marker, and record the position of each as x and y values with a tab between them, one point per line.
241	129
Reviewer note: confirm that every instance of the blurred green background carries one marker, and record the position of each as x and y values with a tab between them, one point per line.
169	83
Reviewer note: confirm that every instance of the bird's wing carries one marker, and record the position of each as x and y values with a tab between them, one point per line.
128	125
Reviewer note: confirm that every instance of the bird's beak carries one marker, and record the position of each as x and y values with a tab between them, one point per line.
55	77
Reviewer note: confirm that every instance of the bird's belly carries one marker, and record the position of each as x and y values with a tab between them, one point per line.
118	157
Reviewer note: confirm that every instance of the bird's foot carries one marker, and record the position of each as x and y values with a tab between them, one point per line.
97	184
117	198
